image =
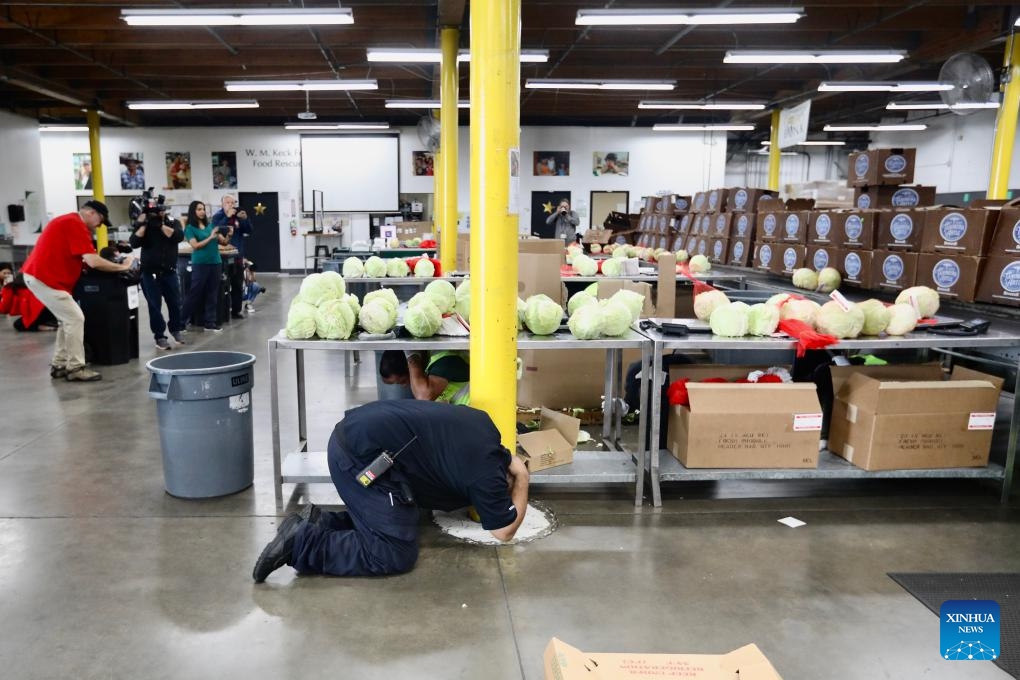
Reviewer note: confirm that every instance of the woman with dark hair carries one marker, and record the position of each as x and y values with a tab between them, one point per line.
206	265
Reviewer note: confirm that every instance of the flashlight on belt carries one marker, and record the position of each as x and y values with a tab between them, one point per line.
383	462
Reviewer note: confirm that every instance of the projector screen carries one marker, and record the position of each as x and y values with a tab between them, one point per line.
355	174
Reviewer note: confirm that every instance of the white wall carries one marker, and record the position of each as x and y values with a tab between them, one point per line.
268	160
21	173
808	165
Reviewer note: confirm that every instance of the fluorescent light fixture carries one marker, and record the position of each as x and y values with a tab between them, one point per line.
883	86
814	142
435	56
298	85
336	126
940	106
238	17
63	128
814	56
688	17
680	127
594	84
765	152
891	127
167	105
421	104
702	106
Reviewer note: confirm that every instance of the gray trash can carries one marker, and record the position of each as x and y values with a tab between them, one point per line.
203	400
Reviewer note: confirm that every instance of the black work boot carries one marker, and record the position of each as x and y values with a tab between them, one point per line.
277	553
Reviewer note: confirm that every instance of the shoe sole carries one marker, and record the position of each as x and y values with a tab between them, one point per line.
94	379
274	545
165	349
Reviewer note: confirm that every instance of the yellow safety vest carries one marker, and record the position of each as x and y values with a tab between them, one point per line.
455	392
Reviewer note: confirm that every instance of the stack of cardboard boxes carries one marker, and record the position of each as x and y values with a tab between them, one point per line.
662	220
721	225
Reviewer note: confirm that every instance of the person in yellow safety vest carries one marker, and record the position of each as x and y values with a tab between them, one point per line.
438	376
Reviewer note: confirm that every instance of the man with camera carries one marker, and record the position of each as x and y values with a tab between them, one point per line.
158	235
234	224
51	272
564	222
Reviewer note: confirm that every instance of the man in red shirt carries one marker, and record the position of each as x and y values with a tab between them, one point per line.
51	272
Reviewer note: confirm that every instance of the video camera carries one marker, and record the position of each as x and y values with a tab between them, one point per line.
148	204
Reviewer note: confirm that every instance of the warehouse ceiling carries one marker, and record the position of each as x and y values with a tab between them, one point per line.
57	57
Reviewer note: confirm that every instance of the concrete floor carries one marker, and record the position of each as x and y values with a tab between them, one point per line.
103	575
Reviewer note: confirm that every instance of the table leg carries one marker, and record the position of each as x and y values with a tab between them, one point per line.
1014	426
299	361
654	389
642	452
274	411
607	399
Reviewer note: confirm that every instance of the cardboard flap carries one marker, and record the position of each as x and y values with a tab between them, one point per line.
927	371
748	398
964	373
565	661
568	426
914	397
749	663
538	444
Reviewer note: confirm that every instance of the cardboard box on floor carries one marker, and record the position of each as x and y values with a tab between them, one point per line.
779	424
552	444
906	420
565	662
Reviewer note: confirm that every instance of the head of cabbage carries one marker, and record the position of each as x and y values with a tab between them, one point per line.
316	288
542	316
423	319
632	300
616	318
300	320
579	299
375	267
376	316
705	303
334	320
584	265
902	319
354	268
842	323
699	264
397	267
762	319
585	321
926	298
828	280
443	295
876	316
385	294
729	320
805	278
612	267
800	310
681	256
424	269
621	252
593	289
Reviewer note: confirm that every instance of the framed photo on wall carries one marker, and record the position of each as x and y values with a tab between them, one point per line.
82	166
423	163
551	163
132	171
178	170
610	163
224	170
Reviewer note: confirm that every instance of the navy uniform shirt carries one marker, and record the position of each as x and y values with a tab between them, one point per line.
456	461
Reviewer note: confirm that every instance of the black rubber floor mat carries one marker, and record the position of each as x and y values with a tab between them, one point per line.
934	589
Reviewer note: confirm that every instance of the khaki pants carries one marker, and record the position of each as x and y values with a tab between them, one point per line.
70	350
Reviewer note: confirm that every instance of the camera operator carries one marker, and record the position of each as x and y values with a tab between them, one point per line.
564	222
234	224
158	235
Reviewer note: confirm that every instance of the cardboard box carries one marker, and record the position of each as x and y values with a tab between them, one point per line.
931	370
698	204
1000	282
881	166
705	224
900	229
463	252
541	246
552	444
539	273
716	200
767	227
779	424
1007	232
700	247
790	258
764	254
795	226
718	250
820	257
908	424
561	378
745	199
720	225
820	231
893	271
770	202
597	235
855	268
742	225
959	231
664	302
855	230
953	276
409	230
893	197
563	662
740	252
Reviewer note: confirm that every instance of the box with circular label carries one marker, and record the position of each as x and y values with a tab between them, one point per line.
820	257
820	229
959	231
793	226
787	258
856	230
764	253
745	199
742	225
1000	281
893	270
855	268
900	229
740	252
769	225
718	250
953	276
881	167
872	197
1007	232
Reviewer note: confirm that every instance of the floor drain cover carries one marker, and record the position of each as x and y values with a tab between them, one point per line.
539	521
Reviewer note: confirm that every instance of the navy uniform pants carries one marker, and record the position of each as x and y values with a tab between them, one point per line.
375	536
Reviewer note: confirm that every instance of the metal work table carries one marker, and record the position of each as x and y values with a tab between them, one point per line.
707	277
301	466
665	467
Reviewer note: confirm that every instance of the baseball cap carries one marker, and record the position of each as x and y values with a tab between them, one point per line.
100	208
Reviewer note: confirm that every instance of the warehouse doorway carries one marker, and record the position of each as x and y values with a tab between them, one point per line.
605	202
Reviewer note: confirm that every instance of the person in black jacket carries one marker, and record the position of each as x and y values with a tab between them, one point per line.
158	236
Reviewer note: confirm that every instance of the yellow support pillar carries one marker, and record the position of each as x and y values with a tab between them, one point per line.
495	145
446	163
1005	124
92	117
774	152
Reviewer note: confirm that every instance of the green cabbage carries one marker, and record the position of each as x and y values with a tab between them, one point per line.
423	319
579	299
682	256
612	267
396	268
463	307
616	318
376	316
393	243
385	294
902	319
778	299
573	250
805	278
762	319
520	313
876	316
443	295
705	303
375	267
593	289
542	316
927	300
424	269
730	320
318	287
354	268
335	283
828	280
584	265
699	264
801	310
596	248
352	300
620	252
334	320
586	321
834	320
463	289
300	320
633	301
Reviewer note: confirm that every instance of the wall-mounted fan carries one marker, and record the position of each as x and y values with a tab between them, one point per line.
428	132
973	82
